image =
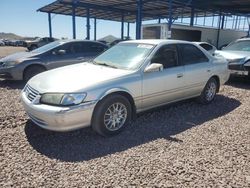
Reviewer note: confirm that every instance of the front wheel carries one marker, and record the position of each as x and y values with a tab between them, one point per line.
111	115
32	71
209	92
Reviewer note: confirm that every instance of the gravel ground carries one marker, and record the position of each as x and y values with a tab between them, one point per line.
180	145
7	50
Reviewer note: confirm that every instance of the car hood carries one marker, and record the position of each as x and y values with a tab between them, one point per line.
74	78
17	57
230	55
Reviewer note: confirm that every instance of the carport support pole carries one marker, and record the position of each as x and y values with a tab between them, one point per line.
88	24
138	19
222	22
50	26
74	21
128	31
192	17
122	27
94	28
218	33
170	19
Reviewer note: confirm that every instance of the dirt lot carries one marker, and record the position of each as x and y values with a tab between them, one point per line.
181	145
7	50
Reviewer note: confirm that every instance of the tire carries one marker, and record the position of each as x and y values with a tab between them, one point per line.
102	121
32	71
209	92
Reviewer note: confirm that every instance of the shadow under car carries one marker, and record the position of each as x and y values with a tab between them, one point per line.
161	123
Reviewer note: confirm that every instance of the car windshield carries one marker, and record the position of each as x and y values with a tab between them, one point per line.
124	56
239	46
47	47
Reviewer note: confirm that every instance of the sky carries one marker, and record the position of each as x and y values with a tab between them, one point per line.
20	17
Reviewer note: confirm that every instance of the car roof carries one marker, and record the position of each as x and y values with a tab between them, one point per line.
155	41
78	40
201	43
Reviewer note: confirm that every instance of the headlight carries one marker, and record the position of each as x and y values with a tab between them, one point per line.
9	64
63	99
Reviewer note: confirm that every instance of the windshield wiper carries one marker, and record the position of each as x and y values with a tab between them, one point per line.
105	64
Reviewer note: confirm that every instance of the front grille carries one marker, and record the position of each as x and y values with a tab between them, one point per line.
31	93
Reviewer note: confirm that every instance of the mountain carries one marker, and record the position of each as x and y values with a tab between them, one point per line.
10	36
109	38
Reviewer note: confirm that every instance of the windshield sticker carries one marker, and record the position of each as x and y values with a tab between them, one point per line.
144	46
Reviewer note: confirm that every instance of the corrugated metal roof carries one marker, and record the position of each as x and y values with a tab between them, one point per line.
113	9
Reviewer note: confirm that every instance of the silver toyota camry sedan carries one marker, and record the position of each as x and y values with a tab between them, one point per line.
131	77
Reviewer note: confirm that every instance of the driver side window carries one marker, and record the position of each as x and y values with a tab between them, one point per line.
167	56
64	47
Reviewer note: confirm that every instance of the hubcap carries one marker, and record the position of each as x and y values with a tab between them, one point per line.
115	116
211	91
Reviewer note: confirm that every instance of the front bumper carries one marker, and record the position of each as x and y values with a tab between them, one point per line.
238	69
6	73
59	118
11	73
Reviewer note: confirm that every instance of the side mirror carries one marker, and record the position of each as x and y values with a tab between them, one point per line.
154	67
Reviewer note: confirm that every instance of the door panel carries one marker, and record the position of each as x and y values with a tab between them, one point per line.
55	61
197	68
197	76
167	85
163	87
73	54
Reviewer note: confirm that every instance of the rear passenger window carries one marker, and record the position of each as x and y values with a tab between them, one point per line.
91	47
190	54
206	47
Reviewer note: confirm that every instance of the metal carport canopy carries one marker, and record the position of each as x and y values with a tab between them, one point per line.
138	10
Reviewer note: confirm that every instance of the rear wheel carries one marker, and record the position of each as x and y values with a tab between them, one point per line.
209	92
32	71
111	115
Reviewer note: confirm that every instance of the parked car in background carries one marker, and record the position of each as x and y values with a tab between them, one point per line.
6	42
130	77
9	42
209	47
20	43
24	65
117	41
2	43
103	41
238	55
223	46
31	45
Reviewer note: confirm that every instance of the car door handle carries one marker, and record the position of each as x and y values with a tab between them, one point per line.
208	70
179	75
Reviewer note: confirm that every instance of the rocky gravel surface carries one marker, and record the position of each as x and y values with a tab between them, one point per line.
180	145
8	50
